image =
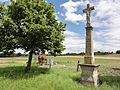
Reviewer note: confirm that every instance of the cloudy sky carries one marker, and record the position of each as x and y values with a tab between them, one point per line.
105	20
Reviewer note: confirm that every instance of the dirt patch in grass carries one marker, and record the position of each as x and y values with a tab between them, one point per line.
5	62
14	58
10	62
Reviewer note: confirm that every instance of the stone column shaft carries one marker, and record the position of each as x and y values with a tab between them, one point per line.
89	54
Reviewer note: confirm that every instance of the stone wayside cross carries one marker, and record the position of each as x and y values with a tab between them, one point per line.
89	54
89	74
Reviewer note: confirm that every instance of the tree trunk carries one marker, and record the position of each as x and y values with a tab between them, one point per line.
28	67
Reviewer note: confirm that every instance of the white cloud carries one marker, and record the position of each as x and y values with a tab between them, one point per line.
73	17
108	13
70	8
73	42
106	16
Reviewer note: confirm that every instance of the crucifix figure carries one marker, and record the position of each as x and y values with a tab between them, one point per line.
88	11
89	54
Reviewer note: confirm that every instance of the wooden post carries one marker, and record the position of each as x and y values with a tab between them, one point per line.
78	65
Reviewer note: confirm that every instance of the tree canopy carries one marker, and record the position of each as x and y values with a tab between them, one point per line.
37	25
32	24
7	30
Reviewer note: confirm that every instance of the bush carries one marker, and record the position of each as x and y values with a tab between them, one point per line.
118	52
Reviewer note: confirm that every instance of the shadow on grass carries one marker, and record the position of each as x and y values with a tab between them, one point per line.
76	79
17	72
111	80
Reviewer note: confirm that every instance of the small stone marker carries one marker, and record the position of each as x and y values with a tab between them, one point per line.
50	62
89	75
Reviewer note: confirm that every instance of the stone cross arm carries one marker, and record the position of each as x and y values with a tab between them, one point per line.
90	9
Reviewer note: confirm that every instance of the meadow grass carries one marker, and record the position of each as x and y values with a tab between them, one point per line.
13	77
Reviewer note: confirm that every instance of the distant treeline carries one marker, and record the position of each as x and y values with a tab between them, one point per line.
95	53
11	53
102	53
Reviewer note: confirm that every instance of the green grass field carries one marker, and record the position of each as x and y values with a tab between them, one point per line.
62	76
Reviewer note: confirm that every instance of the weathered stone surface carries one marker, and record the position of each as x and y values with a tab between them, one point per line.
88	12
89	54
89	75
50	61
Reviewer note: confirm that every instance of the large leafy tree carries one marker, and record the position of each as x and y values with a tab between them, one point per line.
37	27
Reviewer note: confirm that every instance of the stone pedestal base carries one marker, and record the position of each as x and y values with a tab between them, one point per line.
89	75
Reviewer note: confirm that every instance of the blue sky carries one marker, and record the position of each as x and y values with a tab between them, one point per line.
105	20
